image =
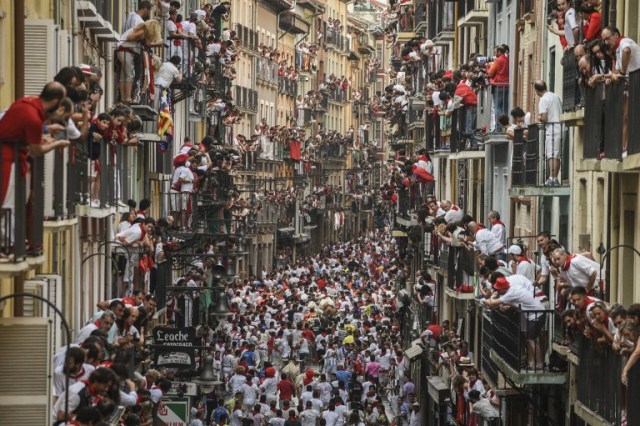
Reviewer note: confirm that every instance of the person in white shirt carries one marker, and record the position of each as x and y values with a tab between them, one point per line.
485	242
168	73
550	111
497	227
453	213
309	417
576	270
521	263
75	369
139	16
627	52
532	308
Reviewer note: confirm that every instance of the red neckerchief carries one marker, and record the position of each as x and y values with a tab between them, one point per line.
77	376
618	42
454	208
479	228
96	398
524	259
142	231
567	262
498	222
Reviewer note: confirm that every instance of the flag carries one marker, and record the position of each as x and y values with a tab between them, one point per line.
165	121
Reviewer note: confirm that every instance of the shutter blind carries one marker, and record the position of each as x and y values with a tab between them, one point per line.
25	387
39	54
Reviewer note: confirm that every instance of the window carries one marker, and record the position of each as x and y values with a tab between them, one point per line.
2	23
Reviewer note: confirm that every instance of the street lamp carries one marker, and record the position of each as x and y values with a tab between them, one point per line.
604	254
207	379
220	309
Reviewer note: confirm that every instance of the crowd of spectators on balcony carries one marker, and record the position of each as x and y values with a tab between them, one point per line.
473	397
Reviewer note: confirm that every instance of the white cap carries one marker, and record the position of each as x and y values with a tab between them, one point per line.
515	249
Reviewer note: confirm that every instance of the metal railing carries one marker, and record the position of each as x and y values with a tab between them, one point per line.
335	39
633	409
304	62
605	122
338	95
406	20
487	364
515	332
570	88
600	388
634	112
21	223
266	70
248	37
332	150
246	98
288	86
411	198
540	156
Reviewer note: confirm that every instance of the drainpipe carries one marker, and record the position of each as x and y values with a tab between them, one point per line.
18	65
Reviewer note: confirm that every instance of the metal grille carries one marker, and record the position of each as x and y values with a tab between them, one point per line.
593	122
634	112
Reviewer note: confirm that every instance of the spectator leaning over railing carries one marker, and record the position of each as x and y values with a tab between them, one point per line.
626	50
26	122
147	35
507	296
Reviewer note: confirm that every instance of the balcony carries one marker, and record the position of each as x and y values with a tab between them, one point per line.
248	38
266	71
531	167
246	99
606	125
335	41
599	393
338	95
410	199
461	274
287	86
421	17
510	333
294	23
96	21
365	46
21	225
278	6
475	13
487	364
102	194
416	114
304	62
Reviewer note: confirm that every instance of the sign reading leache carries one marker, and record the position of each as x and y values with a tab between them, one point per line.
174	347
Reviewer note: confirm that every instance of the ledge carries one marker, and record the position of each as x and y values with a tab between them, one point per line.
406	222
458	295
573	118
540	191
589	416
10	269
467	155
62	223
83	210
527	378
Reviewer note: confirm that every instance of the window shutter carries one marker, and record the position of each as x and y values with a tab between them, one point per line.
62	48
25	387
39	60
53	292
33	307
